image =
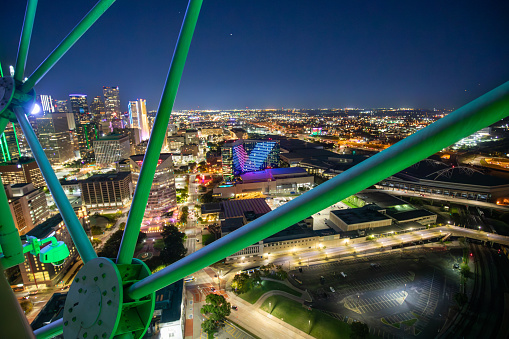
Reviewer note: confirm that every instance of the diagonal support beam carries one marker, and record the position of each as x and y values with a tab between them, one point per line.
148	169
80	29
24	41
470	118
51	330
78	235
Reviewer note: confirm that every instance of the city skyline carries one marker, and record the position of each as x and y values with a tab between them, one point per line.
271	56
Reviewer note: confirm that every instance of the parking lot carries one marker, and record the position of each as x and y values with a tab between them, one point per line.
398	293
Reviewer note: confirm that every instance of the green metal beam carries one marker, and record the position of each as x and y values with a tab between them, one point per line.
50	330
24	41
470	118
78	235
132	228
80	29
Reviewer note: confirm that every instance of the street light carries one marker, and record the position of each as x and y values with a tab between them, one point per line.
270	308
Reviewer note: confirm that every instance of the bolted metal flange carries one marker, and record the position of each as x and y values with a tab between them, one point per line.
96	306
11	96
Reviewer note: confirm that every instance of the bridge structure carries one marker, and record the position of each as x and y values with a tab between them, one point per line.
114	297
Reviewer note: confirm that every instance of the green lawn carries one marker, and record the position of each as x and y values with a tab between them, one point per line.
159	244
256	292
207	239
292	312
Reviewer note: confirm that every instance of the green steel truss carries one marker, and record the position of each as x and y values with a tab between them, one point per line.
136	286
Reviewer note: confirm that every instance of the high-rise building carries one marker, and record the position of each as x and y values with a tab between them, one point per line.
111	102
46	103
24	170
61	106
107	191
98	109
241	156
9	143
53	134
138	117
79	107
28	206
111	148
162	198
87	132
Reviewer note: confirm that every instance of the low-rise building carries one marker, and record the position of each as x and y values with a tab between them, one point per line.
359	219
290	180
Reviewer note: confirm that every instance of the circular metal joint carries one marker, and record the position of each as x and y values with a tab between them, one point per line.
7	89
94	302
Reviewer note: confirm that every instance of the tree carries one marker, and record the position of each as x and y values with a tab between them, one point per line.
359	330
26	306
218	309
174	249
241	283
111	247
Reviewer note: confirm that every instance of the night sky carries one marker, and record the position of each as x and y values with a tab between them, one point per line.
272	54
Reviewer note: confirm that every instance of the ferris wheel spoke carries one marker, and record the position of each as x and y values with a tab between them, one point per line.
470	118
24	41
80	29
51	330
133	225
78	235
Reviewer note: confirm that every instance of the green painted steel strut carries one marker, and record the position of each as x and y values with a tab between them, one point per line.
80	29
470	118
24	42
148	169
51	330
78	235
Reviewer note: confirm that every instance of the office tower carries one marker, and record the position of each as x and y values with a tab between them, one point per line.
138	117
24	170
61	106
53	134
111	148
107	191
28	206
241	156
87	132
111	102
162	197
98	109
9	143
46	102
79	107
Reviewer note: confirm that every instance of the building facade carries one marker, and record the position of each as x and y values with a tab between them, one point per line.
138	117
107	191
111	102
53	134
162	198
24	170
241	156
111	148
28	206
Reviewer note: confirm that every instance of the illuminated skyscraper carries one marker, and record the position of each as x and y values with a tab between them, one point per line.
98	109
79	107
111	102
138	117
61	106
46	103
163	196
53	134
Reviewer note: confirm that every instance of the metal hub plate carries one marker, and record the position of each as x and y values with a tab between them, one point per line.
94	302
7	88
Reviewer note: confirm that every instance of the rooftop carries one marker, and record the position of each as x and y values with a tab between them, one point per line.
360	215
43	229
105	177
237	208
113	137
272	174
